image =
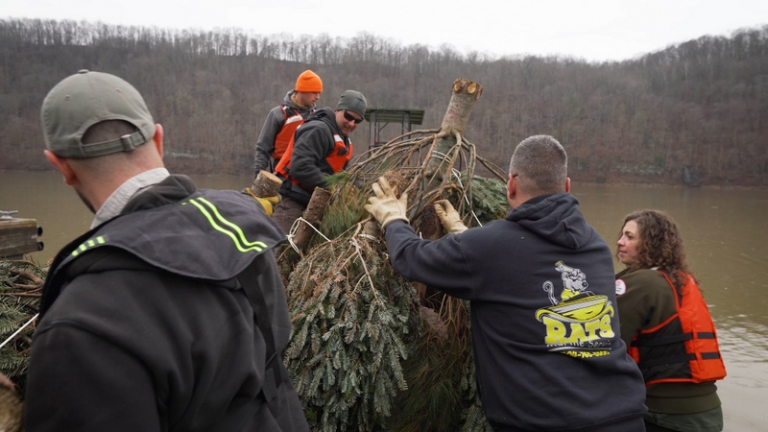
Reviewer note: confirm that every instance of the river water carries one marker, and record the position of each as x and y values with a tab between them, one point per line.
725	238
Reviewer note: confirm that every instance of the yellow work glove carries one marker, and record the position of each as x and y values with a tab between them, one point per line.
268	203
449	217
384	206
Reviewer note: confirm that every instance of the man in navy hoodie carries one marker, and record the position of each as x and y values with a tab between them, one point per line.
540	283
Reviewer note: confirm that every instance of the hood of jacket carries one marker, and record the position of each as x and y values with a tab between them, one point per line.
174	227
325	115
556	218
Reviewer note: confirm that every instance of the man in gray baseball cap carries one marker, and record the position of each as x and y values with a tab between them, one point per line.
89	98
170	311
95	127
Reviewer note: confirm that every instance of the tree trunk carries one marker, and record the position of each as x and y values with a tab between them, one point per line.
313	215
465	94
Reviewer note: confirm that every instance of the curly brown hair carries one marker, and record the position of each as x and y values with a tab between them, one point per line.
660	245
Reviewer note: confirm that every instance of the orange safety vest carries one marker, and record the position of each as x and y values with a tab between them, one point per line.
684	347
291	121
335	160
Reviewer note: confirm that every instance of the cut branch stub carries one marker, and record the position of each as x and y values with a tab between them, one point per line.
465	94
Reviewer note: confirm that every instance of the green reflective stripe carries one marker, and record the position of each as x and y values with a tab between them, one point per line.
77	251
234	227
241	243
100	240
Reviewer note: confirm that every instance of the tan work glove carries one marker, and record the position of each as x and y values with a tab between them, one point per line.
449	217
384	206
268	203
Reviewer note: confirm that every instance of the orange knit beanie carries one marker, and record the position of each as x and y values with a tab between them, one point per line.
309	82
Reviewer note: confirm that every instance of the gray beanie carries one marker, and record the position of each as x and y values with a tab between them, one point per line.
354	101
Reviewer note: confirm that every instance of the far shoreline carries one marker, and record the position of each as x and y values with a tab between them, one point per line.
630	181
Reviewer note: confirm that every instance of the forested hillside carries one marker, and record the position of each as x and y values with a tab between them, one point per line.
699	108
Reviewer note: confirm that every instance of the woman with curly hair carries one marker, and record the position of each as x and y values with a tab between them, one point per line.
667	326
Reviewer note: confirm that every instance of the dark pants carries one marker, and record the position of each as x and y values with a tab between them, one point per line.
286	212
634	424
706	421
650	427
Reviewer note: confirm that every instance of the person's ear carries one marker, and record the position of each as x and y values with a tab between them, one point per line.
62	165
158	139
568	184
511	188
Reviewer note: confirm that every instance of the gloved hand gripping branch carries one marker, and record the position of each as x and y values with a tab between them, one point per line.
268	203
384	206
449	217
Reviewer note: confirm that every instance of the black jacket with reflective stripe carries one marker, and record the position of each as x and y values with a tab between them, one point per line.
147	327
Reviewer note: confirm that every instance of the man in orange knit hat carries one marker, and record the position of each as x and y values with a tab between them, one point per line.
283	120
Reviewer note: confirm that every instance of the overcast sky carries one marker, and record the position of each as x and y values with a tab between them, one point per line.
594	30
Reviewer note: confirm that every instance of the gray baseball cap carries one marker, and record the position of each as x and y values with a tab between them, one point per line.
354	101
84	99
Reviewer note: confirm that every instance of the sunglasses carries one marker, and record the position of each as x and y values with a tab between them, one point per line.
349	117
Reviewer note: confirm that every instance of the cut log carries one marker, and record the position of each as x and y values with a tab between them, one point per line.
313	215
266	184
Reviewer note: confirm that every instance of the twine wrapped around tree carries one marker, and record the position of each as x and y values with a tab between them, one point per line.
370	350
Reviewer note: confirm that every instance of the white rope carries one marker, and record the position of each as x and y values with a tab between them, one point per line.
18	331
290	235
441	155
295	227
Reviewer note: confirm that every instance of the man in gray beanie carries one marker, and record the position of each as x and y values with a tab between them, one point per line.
169	314
320	148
